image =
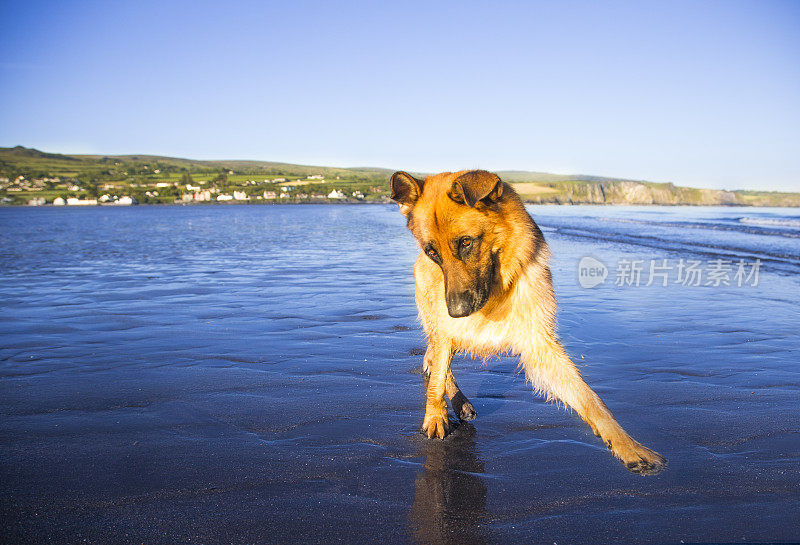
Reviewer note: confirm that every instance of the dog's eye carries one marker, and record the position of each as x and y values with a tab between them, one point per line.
466	242
431	252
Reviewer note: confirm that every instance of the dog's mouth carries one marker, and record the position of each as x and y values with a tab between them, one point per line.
461	310
468	302
461	306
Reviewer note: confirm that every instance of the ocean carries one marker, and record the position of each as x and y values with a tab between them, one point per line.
243	374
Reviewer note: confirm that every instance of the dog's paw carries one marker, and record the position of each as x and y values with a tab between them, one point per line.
463	408
436	424
648	467
467	412
640	459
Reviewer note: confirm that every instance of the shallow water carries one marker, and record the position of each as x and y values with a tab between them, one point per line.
250	374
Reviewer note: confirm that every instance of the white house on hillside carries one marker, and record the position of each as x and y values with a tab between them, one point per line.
126	200
75	201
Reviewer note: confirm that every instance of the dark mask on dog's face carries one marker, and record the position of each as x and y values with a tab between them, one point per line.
454	221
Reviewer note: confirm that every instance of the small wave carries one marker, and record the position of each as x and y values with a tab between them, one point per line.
772	222
781	260
753	226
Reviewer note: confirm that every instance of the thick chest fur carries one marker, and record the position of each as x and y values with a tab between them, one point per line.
510	322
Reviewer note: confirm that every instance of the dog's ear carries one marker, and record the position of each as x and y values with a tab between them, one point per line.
476	185
405	190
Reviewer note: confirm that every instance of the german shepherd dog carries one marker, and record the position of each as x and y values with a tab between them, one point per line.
483	286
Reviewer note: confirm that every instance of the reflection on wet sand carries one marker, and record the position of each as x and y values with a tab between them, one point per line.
449	497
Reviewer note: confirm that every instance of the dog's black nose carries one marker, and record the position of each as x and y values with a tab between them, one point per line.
460	304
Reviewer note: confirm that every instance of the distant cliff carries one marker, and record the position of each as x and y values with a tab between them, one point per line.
631	192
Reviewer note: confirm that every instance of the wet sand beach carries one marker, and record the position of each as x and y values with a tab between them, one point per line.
251	374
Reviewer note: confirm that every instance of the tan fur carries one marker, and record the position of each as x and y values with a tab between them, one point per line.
517	317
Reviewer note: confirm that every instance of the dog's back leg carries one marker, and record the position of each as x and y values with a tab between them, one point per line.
461	405
551	371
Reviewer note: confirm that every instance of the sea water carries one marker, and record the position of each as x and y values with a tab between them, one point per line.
247	374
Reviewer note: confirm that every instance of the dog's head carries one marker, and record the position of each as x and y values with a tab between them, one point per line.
461	223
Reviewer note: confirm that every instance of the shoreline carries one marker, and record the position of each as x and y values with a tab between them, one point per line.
33	177
344	202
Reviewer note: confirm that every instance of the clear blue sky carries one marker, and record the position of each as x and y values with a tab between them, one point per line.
698	93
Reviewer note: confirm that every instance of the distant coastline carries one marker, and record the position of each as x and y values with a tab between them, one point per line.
378	202
36	178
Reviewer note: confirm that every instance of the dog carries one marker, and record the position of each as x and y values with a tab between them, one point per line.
483	287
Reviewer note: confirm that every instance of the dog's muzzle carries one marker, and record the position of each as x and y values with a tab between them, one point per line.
464	303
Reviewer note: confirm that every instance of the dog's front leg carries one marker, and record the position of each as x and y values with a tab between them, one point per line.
461	405
437	360
552	372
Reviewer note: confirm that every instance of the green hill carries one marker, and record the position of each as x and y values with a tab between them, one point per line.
27	173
